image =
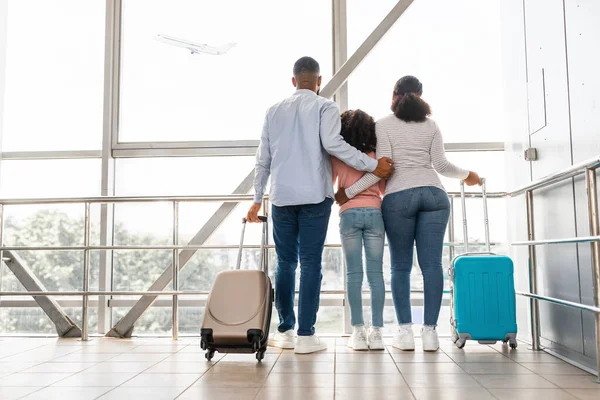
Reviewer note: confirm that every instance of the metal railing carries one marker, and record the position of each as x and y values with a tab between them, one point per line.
85	293
589	167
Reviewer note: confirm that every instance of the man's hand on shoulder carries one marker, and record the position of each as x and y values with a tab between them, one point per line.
252	215
385	168
341	197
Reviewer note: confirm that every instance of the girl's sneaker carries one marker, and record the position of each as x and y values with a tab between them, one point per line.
358	340
376	339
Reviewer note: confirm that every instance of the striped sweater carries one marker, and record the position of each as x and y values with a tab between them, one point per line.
417	149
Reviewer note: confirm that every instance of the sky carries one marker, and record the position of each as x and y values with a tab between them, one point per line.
54	87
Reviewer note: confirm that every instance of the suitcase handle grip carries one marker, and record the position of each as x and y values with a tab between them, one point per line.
260	217
485	215
263	252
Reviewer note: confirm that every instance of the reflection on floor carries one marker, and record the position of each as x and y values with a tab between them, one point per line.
162	369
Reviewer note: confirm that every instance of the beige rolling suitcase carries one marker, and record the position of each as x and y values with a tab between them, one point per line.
238	309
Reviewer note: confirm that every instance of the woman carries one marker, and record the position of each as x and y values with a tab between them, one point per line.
415	206
361	226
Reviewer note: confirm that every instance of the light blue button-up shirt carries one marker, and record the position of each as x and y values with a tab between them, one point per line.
299	134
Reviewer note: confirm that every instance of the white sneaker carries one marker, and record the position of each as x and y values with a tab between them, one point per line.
430	339
376	339
283	340
309	344
358	340
404	339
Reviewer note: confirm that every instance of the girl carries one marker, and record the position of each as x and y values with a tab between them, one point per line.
361	223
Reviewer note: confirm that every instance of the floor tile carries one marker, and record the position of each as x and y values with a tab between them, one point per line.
514	382
242	368
12	367
585	394
418	357
441	381
369	381
300	380
157	349
130	357
397	393
430	368
86	378
322	357
16	392
269	357
78	393
275	393
479	358
293	367
368	358
573	381
360	368
32	380
176	367
81	357
532	394
112	367
494	368
470	347
147	393
231	381
533	357
162	380
561	368
452	394
60	367
211	393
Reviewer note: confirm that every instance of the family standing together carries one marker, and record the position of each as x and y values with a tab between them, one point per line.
305	148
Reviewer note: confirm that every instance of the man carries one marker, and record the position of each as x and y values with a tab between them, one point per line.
298	133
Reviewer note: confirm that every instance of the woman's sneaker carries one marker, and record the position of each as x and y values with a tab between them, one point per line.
283	340
430	338
358	340
376	339
404	339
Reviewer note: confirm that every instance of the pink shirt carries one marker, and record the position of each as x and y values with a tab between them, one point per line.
346	176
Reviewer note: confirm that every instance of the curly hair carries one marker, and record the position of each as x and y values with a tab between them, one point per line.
358	130
408	104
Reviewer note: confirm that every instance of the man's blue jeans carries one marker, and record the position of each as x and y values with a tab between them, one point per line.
417	215
299	233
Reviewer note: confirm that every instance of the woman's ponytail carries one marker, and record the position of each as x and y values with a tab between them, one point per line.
408	104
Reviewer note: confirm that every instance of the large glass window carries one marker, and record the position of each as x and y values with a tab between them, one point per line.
453	47
54	75
169	94
48	225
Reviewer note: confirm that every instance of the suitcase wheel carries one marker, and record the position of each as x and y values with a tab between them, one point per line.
260	354
209	355
511	339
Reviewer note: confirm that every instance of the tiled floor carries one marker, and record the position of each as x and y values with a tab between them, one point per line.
161	369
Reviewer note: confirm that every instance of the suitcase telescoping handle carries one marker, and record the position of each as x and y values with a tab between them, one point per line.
485	215
263	242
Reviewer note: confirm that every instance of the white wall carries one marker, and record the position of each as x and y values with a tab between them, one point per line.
557	112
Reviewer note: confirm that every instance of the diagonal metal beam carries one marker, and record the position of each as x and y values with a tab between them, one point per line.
64	326
124	328
342	75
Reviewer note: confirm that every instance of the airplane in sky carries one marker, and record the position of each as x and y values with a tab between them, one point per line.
196	47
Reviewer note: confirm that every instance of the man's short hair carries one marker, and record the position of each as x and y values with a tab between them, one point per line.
306	65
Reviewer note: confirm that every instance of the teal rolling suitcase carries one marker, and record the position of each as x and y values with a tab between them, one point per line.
482	292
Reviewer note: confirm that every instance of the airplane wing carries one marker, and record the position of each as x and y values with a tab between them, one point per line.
196	47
